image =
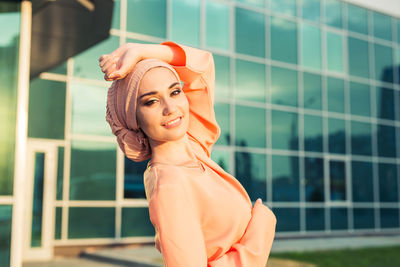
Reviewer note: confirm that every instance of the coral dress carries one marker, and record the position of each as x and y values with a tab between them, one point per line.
202	215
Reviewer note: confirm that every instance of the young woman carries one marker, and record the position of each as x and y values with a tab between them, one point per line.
202	215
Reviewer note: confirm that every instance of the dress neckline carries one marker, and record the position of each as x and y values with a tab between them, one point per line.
197	164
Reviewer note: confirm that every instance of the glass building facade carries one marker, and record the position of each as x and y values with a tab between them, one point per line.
307	97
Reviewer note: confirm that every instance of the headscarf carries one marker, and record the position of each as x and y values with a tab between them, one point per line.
121	110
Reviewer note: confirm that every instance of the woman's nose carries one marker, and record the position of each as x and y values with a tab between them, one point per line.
169	107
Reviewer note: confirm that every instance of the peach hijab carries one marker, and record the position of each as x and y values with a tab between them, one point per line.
121	110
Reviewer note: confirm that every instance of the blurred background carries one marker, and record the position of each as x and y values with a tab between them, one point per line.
307	98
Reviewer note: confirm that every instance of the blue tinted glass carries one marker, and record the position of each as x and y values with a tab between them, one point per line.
335	95
312	91
311	9
334	52
250	81
283	40
222	158
314	179
256	3
385	103
289	219
337	177
57	228
133	178
339	219
361	143
250	170
337	136
389	218
358	57
382	26
250	132
363	218
136	222
362	181
115	23
185	26
5	234
217	28
333	13
91	222
222	76
357	19
37	207
284	130
60	173
315	219
311	46
250	32
285	178
386	141
313	133
139	12
384	65
360	99
283	86
388	186
287	7
222	113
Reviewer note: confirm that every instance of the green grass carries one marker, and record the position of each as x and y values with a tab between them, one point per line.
367	257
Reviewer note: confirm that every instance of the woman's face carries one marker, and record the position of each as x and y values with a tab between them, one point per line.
162	107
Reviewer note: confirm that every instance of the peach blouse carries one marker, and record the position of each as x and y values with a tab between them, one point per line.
202	215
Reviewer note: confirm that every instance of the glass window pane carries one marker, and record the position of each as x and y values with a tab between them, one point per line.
251	172
357	19
284	130
46	109
385	103
218	29
388	189
283	40
250	81
361	143
315	219
89	109
311	9
335	94
314	179
250	32
287	7
5	234
133	178
86	64
93	170
334	52
136	222
222	113
222	77
337	177
257	3
222	158
250	132
358	57
311	46
363	218
362	181
139	13
37	206
333	13
398	31
389	218
57	228
60	173
283	86
285	178
339	219
360	99
115	23
91	222
382	26
386	141
289	219
312	91
60	69
185	26
384	65
313	133
337	136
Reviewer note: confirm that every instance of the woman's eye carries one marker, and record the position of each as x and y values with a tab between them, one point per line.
149	103
177	92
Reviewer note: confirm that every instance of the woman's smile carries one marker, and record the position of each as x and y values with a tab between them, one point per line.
173	123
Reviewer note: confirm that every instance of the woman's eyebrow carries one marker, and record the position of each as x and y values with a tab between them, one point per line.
155	92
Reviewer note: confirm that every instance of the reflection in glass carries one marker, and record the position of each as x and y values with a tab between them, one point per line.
221	157
283	40
387	141
115	23
82	219
37	207
284	130
334	51
60	173
217	28
136	222
257	3
185	27
250	81
337	175
314	179
385	107
388	185
139	12
312	91
250	126
93	170
133	178
313	133
311	46
358	57
389	217
315	219
360	99
362	181
249	32
287	7
222	113
357	19
251	172
60	69
333	13
57	228
363	218
335	95
289	219
5	234
382	26
337	136
339	219
283	86
361	143
311	9
285	178
222	77
384	65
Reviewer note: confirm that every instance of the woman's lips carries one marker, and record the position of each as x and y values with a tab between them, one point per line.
173	123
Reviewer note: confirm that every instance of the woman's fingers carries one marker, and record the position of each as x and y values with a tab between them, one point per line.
111	62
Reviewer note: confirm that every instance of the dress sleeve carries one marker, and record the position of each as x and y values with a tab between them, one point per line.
254	247
179	236
197	72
